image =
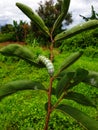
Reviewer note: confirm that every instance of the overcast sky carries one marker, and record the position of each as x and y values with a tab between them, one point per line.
9	11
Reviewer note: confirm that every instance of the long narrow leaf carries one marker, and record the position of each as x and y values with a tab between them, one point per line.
64	83
91	24
79	98
82	118
79	76
34	17
92	79
58	22
15	86
70	79
70	60
18	51
64	10
65	6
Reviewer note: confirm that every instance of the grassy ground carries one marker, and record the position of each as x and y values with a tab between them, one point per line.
6	37
26	108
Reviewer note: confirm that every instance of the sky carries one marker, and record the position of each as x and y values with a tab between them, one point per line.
9	11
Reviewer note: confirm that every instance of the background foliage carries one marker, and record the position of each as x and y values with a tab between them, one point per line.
24	120
49	13
81	41
14	113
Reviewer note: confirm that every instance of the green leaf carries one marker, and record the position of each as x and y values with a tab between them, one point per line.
81	117
64	10
53	91
15	86
92	79
58	22
91	24
79	98
65	6
61	74
34	17
29	129
69	79
64	83
18	51
79	76
70	60
46	106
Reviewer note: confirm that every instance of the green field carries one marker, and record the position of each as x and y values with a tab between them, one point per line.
61	98
6	37
26	108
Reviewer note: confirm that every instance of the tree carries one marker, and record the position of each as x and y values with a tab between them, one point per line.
7	28
21	30
94	15
49	13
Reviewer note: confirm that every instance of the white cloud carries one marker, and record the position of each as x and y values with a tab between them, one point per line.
9	11
82	7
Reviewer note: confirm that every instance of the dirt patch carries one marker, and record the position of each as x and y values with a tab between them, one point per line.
7	43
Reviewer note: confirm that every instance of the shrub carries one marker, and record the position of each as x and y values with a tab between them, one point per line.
6	37
80	41
62	82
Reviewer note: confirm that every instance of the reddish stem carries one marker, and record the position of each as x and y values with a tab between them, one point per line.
50	87
51	52
49	105
51	48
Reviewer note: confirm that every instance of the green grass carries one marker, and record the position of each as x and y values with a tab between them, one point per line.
26	108
6	37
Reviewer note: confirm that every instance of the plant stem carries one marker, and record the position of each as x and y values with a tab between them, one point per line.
59	100
50	87
51	48
51	52
49	104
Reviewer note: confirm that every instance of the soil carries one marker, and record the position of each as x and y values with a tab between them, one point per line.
7	43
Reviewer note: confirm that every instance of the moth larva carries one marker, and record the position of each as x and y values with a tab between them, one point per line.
47	63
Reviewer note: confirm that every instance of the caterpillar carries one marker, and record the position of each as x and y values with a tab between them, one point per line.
47	63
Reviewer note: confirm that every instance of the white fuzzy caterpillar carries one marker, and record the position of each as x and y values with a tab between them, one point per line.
47	63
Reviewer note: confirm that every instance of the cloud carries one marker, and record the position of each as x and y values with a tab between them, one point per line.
82	7
9	11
